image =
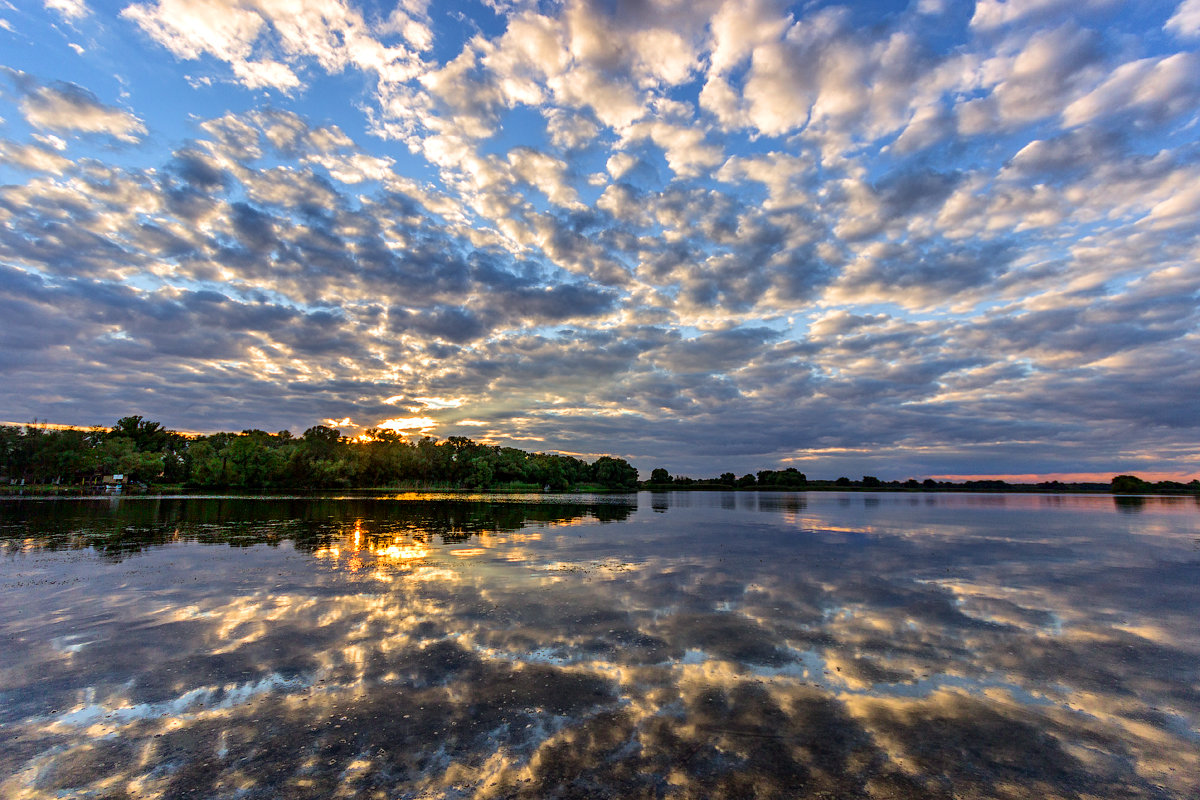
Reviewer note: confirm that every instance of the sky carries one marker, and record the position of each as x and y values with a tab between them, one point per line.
904	239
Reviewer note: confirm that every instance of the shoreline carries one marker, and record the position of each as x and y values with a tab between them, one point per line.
81	492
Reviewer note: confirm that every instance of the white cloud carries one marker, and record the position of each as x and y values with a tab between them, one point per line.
929	124
32	157
615	103
783	175
570	129
471	99
355	167
225	29
70	9
992	14
1182	207
820	74
739	27
411	23
1185	21
545	173
932	7
51	141
663	56
685	148
263	40
1155	87
67	107
530	51
619	164
266	73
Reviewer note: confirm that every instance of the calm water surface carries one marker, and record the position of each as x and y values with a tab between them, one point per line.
686	645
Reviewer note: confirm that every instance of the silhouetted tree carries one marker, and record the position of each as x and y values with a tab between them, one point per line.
1128	484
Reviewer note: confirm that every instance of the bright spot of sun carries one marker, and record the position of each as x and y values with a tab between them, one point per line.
401	424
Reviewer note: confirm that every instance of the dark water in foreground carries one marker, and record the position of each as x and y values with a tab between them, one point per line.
702	645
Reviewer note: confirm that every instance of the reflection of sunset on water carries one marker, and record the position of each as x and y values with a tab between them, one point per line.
454	649
409	552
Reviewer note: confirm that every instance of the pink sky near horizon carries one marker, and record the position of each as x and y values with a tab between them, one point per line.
1071	477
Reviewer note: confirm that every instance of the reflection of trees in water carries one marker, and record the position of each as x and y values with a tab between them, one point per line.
119	528
1129	504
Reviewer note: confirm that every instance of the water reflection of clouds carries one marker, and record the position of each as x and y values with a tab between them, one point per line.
750	662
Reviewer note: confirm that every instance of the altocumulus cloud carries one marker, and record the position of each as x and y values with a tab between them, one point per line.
712	236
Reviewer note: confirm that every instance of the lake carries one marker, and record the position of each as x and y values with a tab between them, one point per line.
702	645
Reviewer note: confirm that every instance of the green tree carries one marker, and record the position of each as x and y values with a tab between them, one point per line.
207	466
614	473
146	436
480	474
1128	484
254	461
660	475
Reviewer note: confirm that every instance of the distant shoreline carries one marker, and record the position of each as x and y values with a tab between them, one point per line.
82	492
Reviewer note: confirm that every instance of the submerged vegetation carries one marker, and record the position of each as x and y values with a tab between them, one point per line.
144	452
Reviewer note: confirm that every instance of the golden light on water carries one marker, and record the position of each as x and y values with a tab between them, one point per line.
398	552
359	549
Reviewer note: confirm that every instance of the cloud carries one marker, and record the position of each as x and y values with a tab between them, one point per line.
1156	88
917	275
225	29
569	130
991	14
33	157
263	41
633	223
265	73
545	173
69	9
1035	83
1185	21
68	107
688	154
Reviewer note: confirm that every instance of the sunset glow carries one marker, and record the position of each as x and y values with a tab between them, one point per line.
407	424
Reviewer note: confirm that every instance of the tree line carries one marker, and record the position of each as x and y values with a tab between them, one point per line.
145	452
791	479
